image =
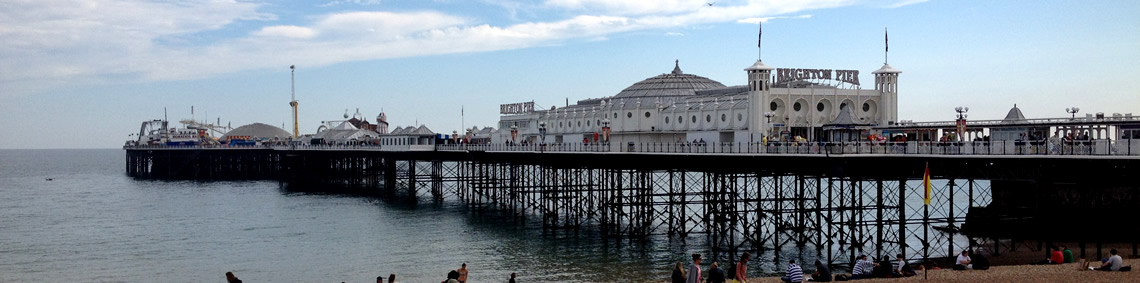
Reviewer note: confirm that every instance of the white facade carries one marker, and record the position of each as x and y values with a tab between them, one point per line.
675	107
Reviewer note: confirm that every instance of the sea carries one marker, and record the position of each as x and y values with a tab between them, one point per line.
75	216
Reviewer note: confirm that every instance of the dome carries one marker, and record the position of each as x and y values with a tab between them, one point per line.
257	130
675	83
886	69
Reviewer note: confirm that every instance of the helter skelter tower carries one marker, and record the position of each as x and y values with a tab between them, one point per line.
293	95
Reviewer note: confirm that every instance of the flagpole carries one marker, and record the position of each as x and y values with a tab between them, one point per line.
759	42
886	45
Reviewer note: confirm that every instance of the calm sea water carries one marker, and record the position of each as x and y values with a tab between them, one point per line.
92	223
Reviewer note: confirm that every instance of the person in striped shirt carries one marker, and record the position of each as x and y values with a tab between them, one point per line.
863	268
794	273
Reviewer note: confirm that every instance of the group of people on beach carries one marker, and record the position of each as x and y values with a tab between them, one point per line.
455	276
736	273
1059	255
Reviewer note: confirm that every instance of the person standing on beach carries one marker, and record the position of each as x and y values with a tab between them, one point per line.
679	273
462	273
695	270
741	273
716	275
794	273
379	279
391	278
512	278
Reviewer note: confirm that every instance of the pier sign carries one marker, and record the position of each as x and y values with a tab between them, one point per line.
789	74
516	108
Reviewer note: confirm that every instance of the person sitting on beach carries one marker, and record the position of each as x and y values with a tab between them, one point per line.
716	275
679	273
979	261
794	273
904	269
231	278
963	261
863	268
1068	254
1057	257
1113	263
822	273
883	270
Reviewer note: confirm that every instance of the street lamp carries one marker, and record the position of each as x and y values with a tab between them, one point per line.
961	122
514	133
1073	111
769	115
606	130
542	131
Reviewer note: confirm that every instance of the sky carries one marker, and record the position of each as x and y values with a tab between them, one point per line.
85	74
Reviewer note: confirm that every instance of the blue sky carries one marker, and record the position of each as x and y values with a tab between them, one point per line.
84	74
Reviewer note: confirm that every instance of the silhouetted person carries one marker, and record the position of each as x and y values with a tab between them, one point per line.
512	278
716	275
231	278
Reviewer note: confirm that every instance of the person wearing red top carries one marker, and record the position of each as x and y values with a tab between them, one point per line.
1057	257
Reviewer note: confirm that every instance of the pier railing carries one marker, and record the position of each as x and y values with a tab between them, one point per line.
1038	147
1041	147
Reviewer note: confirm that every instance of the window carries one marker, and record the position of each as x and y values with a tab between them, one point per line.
560	125
708	118
666	119
842	105
739	117
694	118
629	114
615	115
680	120
646	114
579	123
866	107
796	107
773	106
819	107
587	123
723	117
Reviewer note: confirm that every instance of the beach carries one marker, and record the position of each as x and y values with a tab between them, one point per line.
1067	272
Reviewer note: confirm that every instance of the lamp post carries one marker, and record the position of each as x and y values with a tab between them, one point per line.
961	122
1073	111
606	131
514	133
542	131
769	115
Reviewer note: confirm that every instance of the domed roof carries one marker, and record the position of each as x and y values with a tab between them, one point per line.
886	69
676	83
258	130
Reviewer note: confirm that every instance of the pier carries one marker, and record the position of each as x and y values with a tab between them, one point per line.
836	200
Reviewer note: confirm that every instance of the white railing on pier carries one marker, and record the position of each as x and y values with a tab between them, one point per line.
1036	147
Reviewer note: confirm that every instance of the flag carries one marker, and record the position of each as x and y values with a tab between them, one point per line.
760	36
926	185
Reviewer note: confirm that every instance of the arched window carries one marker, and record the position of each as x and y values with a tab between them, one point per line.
796	107
866	107
819	107
708	118
723	118
773	106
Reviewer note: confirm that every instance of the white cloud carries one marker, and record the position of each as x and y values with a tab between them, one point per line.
357	2
674	34
766	19
904	3
286	31
101	41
